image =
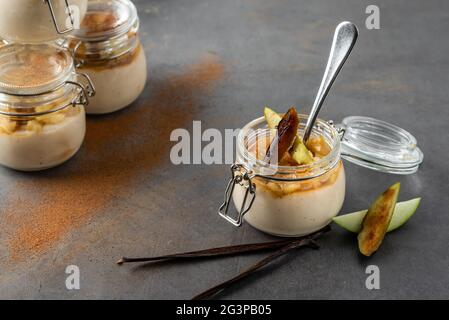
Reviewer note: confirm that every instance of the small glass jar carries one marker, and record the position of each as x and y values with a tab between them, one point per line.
299	200
108	49
42	99
36	21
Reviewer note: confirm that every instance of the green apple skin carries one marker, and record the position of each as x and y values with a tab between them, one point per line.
402	213
271	117
299	151
376	221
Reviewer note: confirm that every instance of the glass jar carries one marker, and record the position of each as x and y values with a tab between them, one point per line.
298	200
108	49
36	21
42	99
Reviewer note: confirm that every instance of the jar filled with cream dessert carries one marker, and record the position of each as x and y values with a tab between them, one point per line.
42	100
35	21
108	49
287	199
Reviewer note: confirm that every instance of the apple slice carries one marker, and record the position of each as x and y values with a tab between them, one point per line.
299	151
376	221
402	212
271	117
287	130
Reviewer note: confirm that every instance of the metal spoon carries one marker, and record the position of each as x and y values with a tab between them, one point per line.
345	37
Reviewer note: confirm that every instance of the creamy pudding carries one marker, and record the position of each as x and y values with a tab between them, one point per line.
118	83
291	199
108	49
295	208
30	21
42	142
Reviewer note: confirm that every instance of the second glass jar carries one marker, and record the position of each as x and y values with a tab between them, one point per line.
108	49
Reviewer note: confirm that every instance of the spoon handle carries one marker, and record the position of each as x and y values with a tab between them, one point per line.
345	37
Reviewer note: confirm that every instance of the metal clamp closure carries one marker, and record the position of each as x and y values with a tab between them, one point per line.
242	177
341	129
86	91
55	21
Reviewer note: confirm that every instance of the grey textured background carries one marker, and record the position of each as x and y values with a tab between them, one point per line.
274	53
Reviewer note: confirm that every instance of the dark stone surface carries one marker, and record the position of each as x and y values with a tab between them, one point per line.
274	53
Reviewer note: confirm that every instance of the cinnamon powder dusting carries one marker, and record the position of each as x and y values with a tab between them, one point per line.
95	22
43	208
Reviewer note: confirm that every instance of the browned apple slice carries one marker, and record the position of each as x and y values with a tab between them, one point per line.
376	221
286	135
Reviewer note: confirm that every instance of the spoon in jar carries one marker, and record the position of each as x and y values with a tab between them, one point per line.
345	37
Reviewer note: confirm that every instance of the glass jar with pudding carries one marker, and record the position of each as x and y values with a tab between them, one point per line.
36	21
304	188
108	49
42	99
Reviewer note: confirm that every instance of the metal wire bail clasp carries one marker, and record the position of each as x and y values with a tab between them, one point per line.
341	129
242	177
55	21
88	90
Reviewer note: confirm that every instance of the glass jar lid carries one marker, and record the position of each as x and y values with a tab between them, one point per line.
379	145
106	19
31	69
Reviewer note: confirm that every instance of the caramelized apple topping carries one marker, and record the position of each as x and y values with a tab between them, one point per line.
375	224
286	135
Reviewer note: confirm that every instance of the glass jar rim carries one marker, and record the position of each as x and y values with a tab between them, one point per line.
98	51
130	21
260	168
